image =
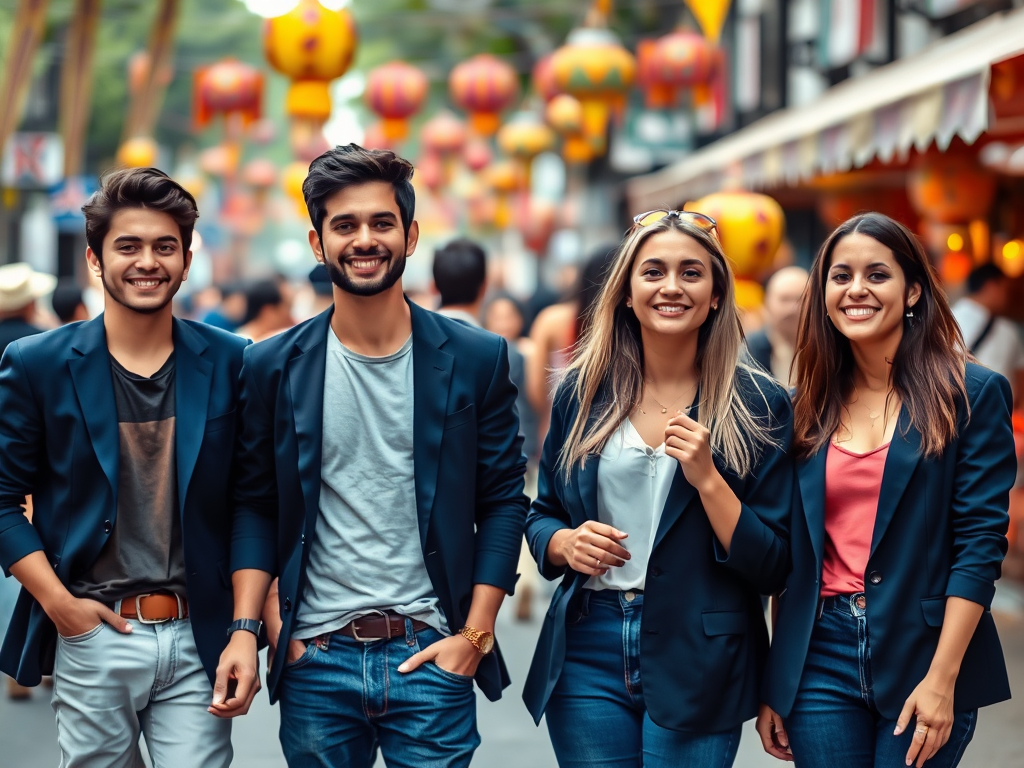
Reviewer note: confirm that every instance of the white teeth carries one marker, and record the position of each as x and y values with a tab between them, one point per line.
859	311
145	283
677	308
366	263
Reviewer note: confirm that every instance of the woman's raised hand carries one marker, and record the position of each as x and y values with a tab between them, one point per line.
591	549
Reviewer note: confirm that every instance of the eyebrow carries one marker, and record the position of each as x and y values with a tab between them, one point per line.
683	263
869	266
351	216
137	239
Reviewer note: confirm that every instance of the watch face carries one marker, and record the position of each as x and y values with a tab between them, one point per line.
486	642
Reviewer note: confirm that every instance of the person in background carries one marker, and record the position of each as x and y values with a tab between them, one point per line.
503	315
557	328
322	287
266	311
68	303
994	341
773	346
460	277
231	312
20	287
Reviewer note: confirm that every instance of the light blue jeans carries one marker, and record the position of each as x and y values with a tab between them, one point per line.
109	687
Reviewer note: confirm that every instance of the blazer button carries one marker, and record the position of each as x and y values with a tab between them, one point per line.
107	526
287	604
303	538
875	577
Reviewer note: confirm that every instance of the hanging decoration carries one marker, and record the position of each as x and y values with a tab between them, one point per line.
395	91
750	227
504	178
374	138
594	67
543	78
291	180
522	139
138	152
484	87
259	175
312	46
677	62
950	187
229	88
564	114
477	155
710	14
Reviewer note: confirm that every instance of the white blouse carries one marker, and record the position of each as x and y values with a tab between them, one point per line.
633	482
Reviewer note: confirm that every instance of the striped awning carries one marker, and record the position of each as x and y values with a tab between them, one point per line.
934	95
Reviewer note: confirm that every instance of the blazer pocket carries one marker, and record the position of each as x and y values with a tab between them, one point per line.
934	610
457	419
218	423
725	622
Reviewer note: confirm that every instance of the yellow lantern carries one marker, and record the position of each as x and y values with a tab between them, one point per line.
750	227
311	45
504	178
564	113
291	179
139	152
524	138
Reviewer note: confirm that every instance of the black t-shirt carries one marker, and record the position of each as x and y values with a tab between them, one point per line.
143	552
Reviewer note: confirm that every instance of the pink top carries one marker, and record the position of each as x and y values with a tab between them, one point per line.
852	485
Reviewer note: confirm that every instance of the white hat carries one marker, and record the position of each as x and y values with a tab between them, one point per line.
20	285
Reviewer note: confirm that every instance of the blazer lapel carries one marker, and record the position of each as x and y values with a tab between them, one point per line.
89	363
811	476
680	494
586	486
306	370
193	375
432	376
904	453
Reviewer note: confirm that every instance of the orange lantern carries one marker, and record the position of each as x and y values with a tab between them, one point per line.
543	78
139	152
229	88
524	138
484	86
677	61
291	179
836	207
504	178
750	227
443	134
595	68
221	160
395	91
950	187
564	113
312	46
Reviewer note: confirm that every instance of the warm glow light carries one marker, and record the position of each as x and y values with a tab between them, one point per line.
955	242
270	8
1012	250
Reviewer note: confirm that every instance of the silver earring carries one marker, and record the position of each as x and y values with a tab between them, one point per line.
629	303
910	313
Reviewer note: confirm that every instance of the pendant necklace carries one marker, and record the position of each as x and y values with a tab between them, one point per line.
664	408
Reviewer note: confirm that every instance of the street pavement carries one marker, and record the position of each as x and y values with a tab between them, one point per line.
510	739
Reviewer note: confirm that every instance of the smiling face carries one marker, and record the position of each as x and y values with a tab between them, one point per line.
143	262
866	294
671	286
364	246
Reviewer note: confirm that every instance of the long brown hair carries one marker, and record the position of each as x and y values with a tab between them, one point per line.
928	370
607	369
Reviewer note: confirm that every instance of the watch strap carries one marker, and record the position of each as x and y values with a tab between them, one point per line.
474	635
247	625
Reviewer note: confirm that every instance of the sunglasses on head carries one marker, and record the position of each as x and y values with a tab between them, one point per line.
705	223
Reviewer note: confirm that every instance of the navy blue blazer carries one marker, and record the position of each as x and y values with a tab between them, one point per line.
704	639
59	442
940	531
467	453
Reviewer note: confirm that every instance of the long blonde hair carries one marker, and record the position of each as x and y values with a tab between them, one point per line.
609	361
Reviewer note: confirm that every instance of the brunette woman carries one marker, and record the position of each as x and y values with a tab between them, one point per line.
884	647
664	495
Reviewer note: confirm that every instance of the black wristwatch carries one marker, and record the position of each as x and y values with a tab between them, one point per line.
249	625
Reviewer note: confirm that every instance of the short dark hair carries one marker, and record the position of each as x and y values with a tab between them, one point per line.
351	164
460	271
66	298
138	188
982	276
260	294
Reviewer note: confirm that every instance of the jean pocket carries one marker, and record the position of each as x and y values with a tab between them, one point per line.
453	676
73	639
305	658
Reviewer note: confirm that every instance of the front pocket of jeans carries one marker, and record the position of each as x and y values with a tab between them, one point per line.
305	658
84	636
450	675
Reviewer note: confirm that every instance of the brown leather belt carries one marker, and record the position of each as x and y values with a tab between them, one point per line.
154	608
379	626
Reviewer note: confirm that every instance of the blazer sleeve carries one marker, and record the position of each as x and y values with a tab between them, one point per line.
760	544
500	469
22	440
547	515
985	471
254	531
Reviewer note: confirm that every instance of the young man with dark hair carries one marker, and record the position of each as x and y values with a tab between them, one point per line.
380	475
121	429
68	301
460	276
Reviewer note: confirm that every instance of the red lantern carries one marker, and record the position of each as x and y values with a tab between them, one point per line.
537	219
677	61
229	88
477	155
443	134
950	187
261	174
543	78
396	91
430	171
484	86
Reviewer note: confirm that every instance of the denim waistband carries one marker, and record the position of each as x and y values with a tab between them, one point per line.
852	605
628	597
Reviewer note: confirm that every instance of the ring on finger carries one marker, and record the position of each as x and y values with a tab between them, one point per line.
921	729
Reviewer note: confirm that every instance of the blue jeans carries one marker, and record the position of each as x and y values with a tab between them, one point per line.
834	719
342	699
596	715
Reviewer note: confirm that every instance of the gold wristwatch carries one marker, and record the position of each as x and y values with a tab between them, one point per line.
482	641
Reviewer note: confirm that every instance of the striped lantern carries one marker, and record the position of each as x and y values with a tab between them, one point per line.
484	87
396	91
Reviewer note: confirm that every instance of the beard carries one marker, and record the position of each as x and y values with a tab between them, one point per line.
118	294
396	267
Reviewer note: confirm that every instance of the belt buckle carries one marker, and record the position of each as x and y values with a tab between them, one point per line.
138	610
355	631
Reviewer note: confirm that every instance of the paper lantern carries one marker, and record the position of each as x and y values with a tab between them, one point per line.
836	207
430	171
260	174
950	187
443	134
537	220
221	160
395	92
673	63
291	179
595	68
484	86
477	155
710	14
504	178
525	137
564	114
543	78
227	88
750	227
374	138
139	152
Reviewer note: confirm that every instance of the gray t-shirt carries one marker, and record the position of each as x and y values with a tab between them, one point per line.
366	552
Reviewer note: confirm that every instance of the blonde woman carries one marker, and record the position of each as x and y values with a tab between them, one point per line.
664	500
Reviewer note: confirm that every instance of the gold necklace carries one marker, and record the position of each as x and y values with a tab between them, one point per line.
664	408
872	414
